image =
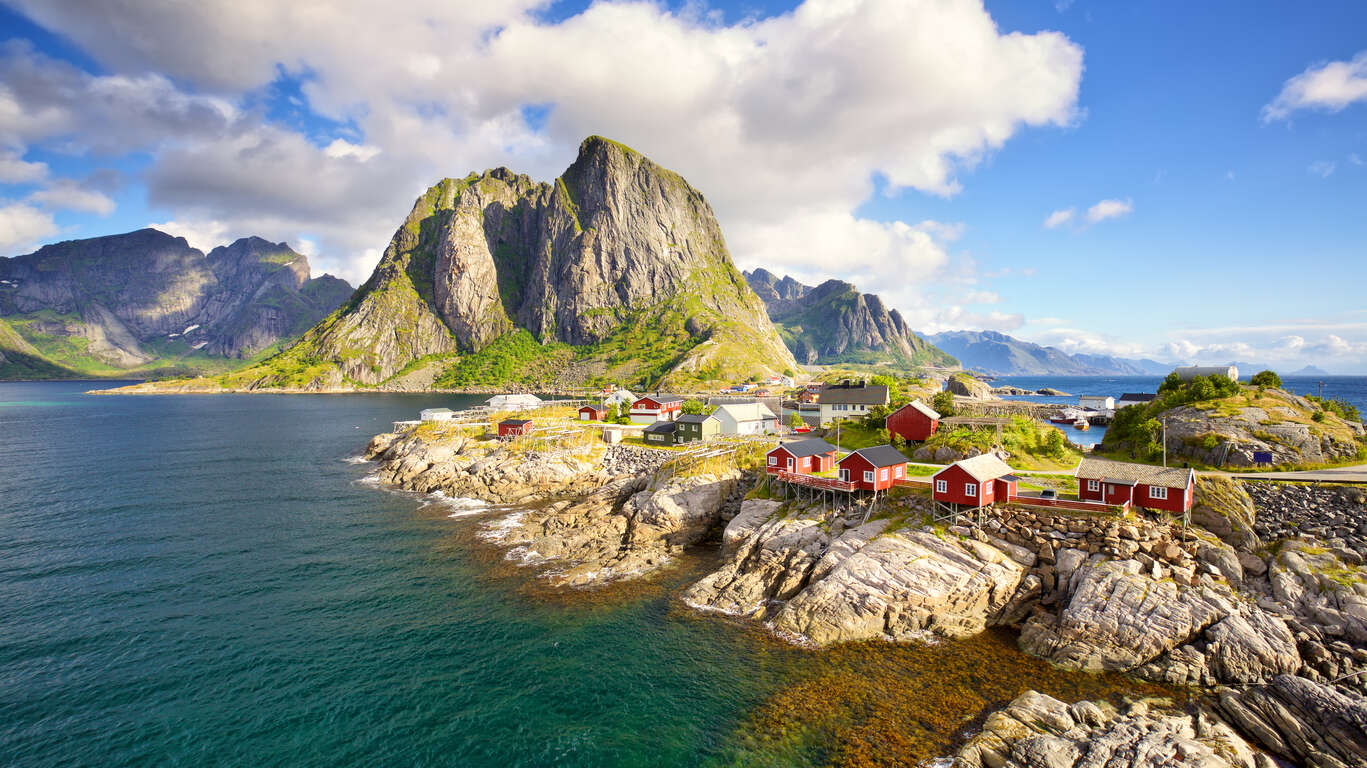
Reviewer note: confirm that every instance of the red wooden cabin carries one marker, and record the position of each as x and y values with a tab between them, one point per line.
975	482
653	408
914	421
801	456
874	469
514	427
592	413
1170	489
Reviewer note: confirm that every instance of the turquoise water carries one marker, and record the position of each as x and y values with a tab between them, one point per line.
191	580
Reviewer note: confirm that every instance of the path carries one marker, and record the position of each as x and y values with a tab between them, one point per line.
1353	474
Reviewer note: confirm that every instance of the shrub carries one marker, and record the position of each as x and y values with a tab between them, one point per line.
694	407
943	403
1266	379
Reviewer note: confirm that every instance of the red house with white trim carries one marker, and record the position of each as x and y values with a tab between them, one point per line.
914	421
514	427
592	413
652	408
1170	489
874	469
802	457
976	482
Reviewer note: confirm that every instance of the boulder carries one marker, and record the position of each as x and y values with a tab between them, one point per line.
1302	721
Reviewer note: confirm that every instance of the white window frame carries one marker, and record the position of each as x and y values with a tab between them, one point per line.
1093	485
868	476
844	475
897	471
1158	492
883	474
773	461
942	486
971	489
790	464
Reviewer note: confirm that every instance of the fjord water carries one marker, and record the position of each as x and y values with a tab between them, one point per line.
189	580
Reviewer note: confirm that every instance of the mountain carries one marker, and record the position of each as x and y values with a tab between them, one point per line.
146	303
1309	370
615	272
999	354
835	323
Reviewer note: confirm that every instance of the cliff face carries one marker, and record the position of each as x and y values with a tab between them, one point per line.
618	266
134	301
835	323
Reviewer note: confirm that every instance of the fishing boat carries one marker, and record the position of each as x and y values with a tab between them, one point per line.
1067	416
1082	425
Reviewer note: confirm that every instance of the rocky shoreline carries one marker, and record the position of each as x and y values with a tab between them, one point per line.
1273	630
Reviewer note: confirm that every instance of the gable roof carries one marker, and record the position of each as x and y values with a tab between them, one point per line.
1138	397
746	411
661	399
809	447
982	468
514	422
879	456
1133	474
437	410
660	427
695	418
852	394
923	409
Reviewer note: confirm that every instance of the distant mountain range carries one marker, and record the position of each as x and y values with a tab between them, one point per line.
835	323
145	303
1001	355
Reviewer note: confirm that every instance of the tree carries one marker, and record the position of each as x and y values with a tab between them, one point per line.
795	421
1171	384
877	416
694	407
943	403
1266	380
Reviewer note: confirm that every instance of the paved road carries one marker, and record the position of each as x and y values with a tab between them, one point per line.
1354	474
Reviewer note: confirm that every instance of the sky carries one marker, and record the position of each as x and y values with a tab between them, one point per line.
1172	180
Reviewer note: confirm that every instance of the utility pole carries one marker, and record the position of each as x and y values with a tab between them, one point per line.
837	433
1321	385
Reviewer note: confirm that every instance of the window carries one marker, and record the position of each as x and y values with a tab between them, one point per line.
868	477
1093	485
883	474
773	461
942	486
1157	492
897	471
970	489
790	465
844	475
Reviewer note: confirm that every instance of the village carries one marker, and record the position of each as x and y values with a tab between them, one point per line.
804	455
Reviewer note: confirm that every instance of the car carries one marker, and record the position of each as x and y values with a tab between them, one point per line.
1048	493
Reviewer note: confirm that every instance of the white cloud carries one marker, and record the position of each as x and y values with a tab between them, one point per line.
22	226
781	122
1109	209
1059	218
1322	168
1355	158
69	195
1329	87
204	235
15	170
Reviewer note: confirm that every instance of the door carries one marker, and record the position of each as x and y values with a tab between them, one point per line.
790	465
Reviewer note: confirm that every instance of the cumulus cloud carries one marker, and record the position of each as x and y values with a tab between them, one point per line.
781	121
1109	209
15	170
69	195
1322	168
204	235
1059	218
22	226
1329	87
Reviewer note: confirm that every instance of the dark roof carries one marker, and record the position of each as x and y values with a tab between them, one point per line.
662	399
594	407
1009	478
1138	397
880	456
514	422
809	447
694	418
661	426
873	394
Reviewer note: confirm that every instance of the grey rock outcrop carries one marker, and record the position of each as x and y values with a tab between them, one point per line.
967	386
1039	731
1302	721
822	583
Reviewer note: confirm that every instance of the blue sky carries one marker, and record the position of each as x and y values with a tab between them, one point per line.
916	149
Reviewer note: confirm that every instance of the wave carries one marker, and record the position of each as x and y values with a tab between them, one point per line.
356	460
502	528
460	506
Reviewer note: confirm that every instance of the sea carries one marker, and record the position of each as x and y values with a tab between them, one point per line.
219	580
1352	389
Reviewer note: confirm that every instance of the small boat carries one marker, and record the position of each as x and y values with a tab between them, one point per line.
1061	420
1082	425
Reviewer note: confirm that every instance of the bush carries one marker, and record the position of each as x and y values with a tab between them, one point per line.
1266	380
795	421
943	403
694	407
1341	408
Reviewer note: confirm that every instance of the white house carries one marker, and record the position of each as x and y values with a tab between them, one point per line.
513	402
1189	372
746	419
436	414
850	400
619	398
1134	398
1097	402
